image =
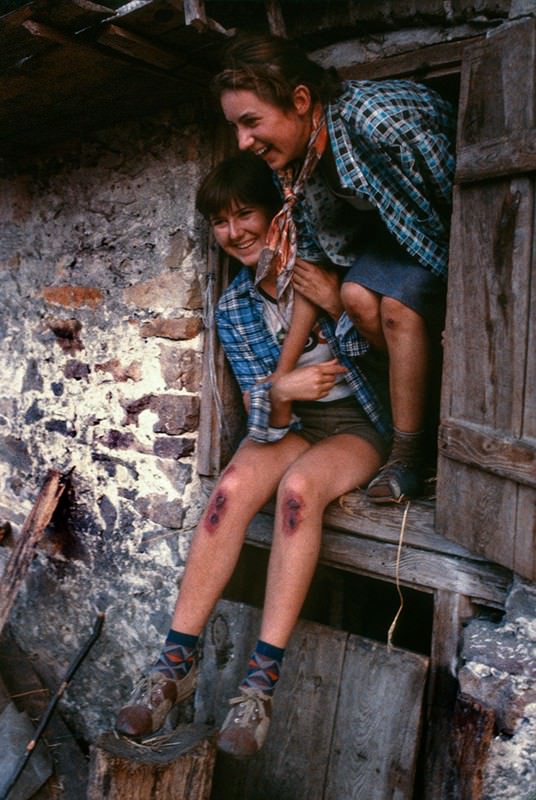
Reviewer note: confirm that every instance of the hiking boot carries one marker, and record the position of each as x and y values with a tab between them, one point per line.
396	482
246	725
151	701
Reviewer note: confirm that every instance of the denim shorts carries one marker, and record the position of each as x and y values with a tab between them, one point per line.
323	419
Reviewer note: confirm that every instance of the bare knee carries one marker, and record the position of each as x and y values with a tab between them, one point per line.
363	308
225	497
294	500
398	318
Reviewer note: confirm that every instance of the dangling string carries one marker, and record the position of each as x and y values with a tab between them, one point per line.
392	627
279	254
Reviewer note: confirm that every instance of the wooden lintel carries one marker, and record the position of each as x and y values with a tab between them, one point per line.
135	46
432	60
484	448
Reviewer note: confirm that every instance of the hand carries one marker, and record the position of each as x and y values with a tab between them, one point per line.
318	285
307	383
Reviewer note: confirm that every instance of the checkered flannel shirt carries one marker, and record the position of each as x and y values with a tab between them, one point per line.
253	354
393	145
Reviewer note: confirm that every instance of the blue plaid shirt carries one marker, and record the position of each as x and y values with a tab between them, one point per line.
253	353
392	142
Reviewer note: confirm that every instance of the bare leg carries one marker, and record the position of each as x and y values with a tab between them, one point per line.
390	325
244	487
302	498
409	347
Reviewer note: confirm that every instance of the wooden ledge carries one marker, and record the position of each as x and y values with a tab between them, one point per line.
363	538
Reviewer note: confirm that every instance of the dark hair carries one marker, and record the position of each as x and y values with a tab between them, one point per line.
272	68
242	178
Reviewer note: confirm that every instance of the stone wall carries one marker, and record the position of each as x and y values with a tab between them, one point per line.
499	672
101	266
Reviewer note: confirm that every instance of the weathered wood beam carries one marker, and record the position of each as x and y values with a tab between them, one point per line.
485	448
31	533
195	15
451	611
130	44
72	15
506	155
481	581
41	31
276	21
472	732
430	61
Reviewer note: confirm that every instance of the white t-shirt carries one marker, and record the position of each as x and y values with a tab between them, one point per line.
316	349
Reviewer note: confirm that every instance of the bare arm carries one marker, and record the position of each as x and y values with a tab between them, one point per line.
304	316
319	285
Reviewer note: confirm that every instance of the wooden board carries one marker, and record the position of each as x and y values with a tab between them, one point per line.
487	452
316	701
497	130
378	723
486	485
485	582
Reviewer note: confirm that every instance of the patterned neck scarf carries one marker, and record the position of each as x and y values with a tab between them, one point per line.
279	254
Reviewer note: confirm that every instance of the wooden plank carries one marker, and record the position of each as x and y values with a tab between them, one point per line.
524	558
222	416
297	749
71	15
276	21
153	19
32	531
352	513
451	611
483	581
135	46
504	156
378	723
487	316
497	101
178	765
488	528
425	62
18	46
194	13
484	447
488	376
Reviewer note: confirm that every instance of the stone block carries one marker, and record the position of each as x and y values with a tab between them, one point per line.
176	329
176	413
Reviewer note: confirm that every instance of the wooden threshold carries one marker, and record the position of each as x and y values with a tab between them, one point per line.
364	539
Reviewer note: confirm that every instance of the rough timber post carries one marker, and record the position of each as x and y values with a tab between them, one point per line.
178	766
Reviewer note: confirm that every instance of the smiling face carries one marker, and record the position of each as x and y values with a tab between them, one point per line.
241	231
277	135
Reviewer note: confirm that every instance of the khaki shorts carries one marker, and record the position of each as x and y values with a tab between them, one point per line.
340	416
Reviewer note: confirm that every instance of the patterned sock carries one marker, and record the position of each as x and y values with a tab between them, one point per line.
178	654
264	667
